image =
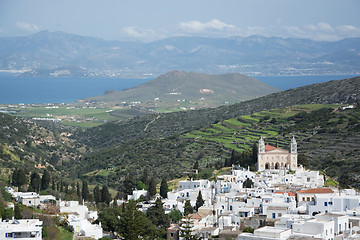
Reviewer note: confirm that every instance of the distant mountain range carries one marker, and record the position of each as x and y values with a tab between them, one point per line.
190	89
62	54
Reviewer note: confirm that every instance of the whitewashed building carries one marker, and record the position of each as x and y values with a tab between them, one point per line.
25	229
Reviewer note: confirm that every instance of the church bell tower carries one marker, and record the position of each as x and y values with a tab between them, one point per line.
261	145
293	145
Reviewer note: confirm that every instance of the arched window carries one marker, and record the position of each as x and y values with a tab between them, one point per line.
267	166
276	165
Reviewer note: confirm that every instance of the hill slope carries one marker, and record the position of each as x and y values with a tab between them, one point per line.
193	88
163	125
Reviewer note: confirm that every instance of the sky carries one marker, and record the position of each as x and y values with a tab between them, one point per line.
150	20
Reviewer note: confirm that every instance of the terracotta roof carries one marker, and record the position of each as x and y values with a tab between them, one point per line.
289	193
316	190
270	148
200	214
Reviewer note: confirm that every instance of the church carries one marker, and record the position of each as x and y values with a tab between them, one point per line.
270	157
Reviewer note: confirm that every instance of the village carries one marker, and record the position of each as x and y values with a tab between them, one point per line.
282	200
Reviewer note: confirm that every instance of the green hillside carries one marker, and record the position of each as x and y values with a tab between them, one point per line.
326	138
169	144
163	125
184	90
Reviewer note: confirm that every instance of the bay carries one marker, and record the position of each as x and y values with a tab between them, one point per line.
288	82
20	89
28	90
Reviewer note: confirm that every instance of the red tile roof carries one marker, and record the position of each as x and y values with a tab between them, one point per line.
289	193
270	148
316	190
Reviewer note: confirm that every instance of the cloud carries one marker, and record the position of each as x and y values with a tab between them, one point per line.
141	33
28	27
320	31
198	27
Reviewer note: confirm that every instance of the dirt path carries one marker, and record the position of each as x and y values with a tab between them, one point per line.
147	125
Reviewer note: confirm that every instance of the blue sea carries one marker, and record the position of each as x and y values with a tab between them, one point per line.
18	89
27	90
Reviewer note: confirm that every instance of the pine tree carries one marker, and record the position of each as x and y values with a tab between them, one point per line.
188	209
186	230
199	201
152	187
45	180
128	185
97	194
105	195
248	183
85	191
134	223
164	188
156	214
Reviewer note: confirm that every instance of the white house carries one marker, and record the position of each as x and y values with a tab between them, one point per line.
82	227
267	233
30	199
23	229
329	203
137	194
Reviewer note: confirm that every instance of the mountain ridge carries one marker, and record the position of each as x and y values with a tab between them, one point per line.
253	55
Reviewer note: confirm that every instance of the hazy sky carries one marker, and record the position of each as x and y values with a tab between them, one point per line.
148	20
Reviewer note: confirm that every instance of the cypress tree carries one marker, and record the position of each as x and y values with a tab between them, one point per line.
188	209
19	177
45	180
35	182
78	191
164	188
199	201
152	187
105	195
254	153
85	191
145	176
97	194
115	205
53	186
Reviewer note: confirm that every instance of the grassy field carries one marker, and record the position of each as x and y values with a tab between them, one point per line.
65	235
72	116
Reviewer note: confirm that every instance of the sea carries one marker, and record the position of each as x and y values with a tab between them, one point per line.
36	90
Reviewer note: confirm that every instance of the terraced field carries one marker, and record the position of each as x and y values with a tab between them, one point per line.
242	132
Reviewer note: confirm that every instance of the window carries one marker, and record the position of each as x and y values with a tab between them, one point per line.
279	214
230	208
9	235
325	204
273	215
